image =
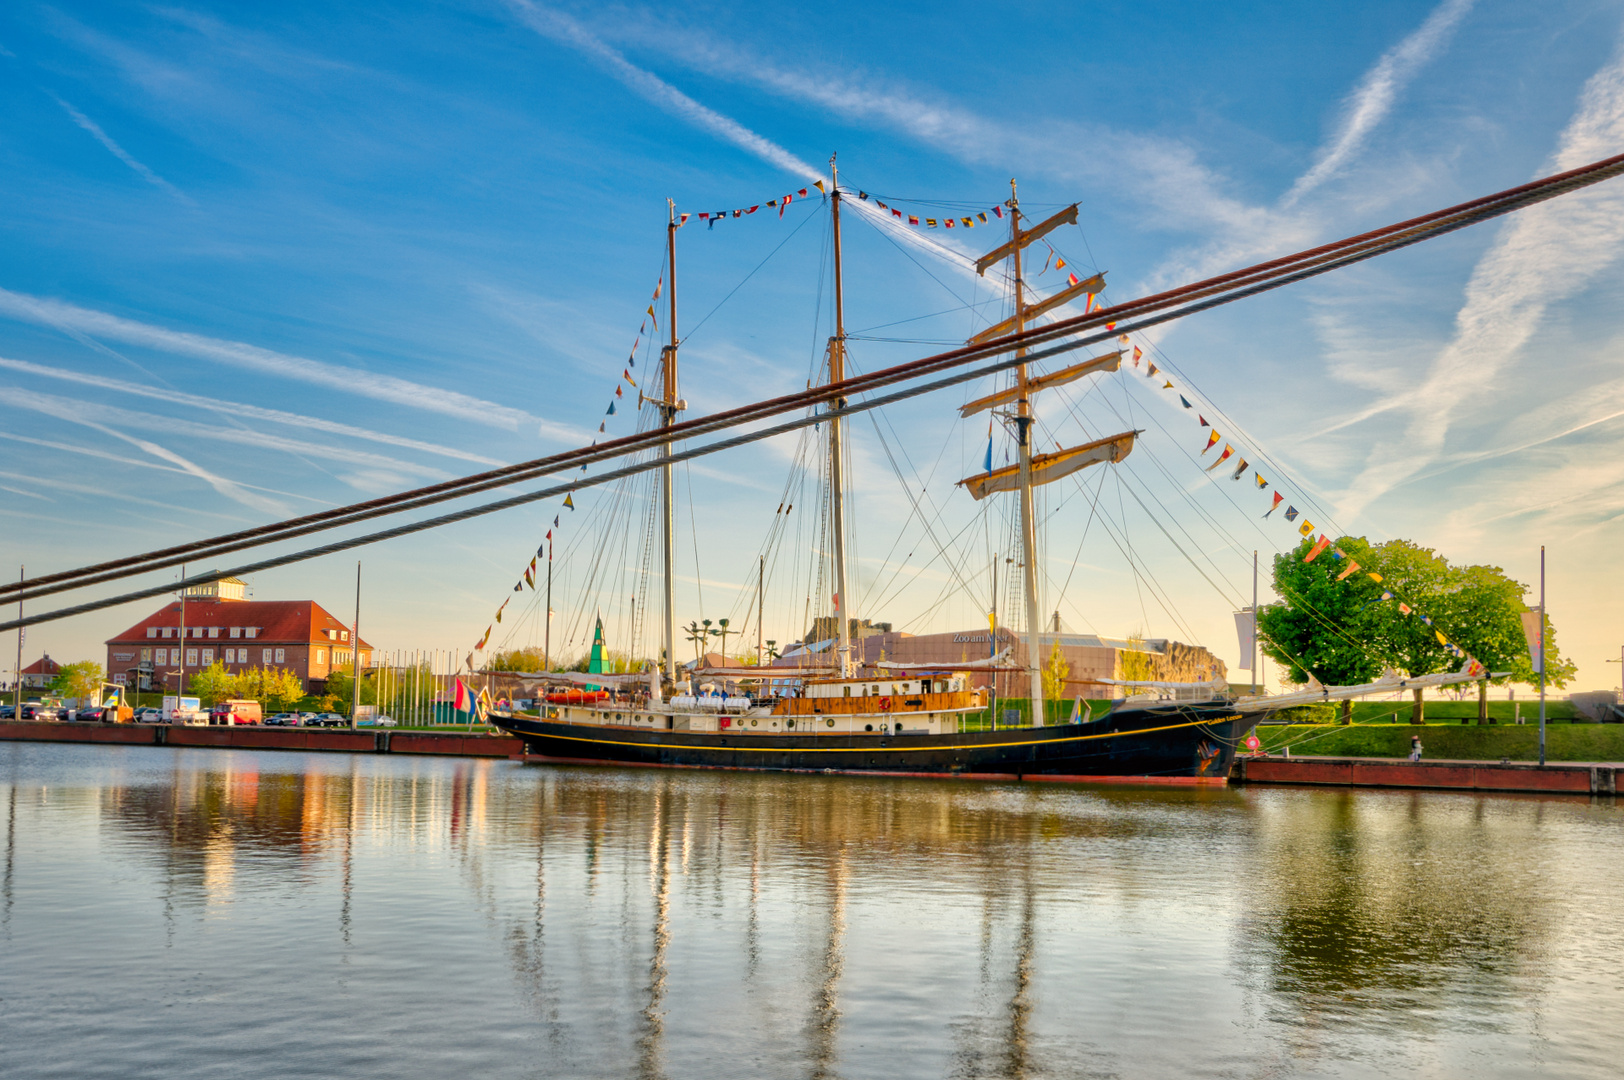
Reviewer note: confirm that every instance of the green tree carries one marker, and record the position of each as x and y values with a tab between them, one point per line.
1344	632
214	683
340	688
516	660
1055	673
77	680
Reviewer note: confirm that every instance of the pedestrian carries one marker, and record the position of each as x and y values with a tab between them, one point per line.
1415	748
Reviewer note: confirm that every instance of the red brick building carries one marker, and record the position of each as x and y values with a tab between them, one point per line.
299	635
41	673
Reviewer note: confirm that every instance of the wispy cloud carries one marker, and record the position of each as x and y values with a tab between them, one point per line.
77	320
1377	92
567	31
122	154
240	410
73	412
1543	256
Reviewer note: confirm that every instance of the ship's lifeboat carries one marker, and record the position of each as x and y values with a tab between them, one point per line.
576	697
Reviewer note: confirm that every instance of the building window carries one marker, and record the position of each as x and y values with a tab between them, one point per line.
251	631
208	657
167	631
152	631
146	656
214	631
236	631
321	657
265	656
363	659
191	658
118	680
163	656
281	655
343	635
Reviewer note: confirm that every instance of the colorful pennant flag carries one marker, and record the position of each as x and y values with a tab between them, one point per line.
569	501
1239	470
1352	569
1278	499
1212	441
1318	549
1137	353
1221	457
1261	483
1306	528
1186	402
1291	513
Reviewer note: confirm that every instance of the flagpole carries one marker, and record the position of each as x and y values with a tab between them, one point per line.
547	639
1542	654
1257	686
355	650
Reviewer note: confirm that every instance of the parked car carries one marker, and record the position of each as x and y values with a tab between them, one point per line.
376	721
8	712
282	719
33	710
326	719
146	714
90	714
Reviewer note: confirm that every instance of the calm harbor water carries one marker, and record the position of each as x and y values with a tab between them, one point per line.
172	913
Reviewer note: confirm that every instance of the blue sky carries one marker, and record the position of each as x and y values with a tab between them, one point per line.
261	261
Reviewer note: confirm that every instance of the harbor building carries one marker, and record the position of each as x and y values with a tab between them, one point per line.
223	626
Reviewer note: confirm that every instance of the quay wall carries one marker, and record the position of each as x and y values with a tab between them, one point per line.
264	738
1573	778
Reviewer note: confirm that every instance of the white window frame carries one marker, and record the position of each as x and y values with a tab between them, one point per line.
251	631
321	657
152	631
214	631
208	657
236	631
265	656
191	658
281	656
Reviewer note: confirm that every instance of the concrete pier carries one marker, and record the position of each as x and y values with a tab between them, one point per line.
343	740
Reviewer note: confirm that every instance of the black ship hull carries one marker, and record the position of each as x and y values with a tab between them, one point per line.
1167	742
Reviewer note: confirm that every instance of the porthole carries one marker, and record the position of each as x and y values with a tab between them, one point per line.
753	723
868	727
790	722
830	721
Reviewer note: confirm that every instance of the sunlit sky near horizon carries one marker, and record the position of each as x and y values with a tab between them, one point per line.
259	261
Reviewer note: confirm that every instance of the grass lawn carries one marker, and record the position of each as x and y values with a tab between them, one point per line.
1563	741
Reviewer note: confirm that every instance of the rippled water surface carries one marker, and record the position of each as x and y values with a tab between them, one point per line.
173	913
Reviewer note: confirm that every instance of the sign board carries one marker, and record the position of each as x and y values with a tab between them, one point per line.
181	708
1533	630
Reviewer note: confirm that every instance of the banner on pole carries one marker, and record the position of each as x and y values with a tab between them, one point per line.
1246	634
1534	632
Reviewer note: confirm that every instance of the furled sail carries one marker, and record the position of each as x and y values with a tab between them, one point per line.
1108	362
1093	286
1047	468
1068	216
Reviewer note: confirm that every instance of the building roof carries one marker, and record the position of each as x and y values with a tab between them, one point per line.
299	622
43	666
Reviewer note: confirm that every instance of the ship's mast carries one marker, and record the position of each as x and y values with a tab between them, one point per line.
1023	434
837	502
668	415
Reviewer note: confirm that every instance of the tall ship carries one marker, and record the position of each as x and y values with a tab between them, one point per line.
851	714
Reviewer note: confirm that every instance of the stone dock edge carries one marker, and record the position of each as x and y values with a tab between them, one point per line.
1557	778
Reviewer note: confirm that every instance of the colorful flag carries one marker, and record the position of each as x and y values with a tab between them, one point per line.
1385	596
1291	513
611	411
569	501
1374	576
1150	372
897	213
1239	470
503	607
465	700
530	574
982	218
817	184
1353	568
555	522
658	285
1306	528
1404	609
930	222
913	220
1167	386
1137	353
1278	499
1221	457
948	222
1060	264
1186	402
627	375
1318	549
998	211
484	639
618	392
1212	441
519	587
802	192
1261	483
1071	279
969	223
1441	639
782	203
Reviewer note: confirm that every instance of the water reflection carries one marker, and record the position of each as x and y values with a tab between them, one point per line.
614	923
